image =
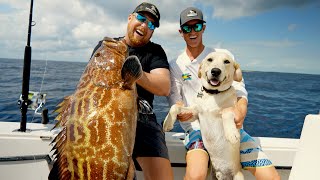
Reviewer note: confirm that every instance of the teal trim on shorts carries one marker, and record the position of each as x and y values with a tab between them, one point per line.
251	153
191	137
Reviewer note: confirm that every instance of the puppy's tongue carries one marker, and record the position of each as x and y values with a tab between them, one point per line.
214	82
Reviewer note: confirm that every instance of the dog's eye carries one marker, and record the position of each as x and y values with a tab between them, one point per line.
210	60
226	61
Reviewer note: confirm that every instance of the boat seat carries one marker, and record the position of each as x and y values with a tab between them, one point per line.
306	161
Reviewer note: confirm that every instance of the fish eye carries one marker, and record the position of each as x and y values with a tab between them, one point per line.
210	60
226	61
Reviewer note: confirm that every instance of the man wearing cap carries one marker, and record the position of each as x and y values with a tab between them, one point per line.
150	151
185	85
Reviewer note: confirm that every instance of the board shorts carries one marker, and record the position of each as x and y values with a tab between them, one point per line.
251	154
150	139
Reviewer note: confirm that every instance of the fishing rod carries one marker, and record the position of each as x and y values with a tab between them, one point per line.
26	76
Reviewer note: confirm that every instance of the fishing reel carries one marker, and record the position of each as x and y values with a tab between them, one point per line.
36	102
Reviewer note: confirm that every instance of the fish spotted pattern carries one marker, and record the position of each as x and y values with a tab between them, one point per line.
99	120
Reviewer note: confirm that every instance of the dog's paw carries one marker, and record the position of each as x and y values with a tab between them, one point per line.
167	126
219	175
238	176
168	123
233	136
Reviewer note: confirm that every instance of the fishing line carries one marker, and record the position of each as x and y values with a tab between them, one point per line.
44	73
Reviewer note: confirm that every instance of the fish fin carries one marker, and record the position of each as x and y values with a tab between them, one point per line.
131	171
53	175
144	107
109	39
62	110
131	71
60	106
60	166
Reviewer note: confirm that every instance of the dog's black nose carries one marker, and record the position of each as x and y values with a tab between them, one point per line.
215	72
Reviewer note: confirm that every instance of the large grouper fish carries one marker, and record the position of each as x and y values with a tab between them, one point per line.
98	121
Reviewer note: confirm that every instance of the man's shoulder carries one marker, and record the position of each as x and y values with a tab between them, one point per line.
153	48
174	63
154	45
182	57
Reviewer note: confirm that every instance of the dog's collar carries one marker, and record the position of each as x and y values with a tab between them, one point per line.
215	91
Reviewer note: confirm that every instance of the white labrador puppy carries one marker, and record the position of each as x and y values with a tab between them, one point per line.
220	135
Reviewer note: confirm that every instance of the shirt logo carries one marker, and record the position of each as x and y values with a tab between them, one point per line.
186	76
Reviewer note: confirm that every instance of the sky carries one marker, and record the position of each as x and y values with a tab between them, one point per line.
264	35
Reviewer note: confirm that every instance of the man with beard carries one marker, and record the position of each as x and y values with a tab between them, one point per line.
150	152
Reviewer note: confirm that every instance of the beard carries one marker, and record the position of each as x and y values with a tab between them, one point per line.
134	41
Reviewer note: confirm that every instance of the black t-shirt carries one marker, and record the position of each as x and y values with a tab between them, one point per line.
151	56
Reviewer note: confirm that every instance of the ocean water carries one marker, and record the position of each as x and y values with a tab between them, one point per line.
278	102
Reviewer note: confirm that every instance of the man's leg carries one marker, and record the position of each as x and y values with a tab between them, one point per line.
197	164
197	157
265	173
155	168
255	160
150	152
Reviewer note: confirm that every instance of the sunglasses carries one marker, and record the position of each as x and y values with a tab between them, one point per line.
188	28
143	19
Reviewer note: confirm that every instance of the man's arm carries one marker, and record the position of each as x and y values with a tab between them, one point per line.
156	82
241	106
240	111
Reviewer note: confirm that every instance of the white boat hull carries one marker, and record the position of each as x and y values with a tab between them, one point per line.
26	155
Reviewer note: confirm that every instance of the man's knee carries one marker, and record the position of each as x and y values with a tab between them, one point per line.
276	177
196	175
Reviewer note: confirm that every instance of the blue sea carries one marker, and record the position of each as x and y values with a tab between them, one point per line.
278	102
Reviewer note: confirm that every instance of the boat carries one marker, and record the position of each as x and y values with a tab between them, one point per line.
26	155
26	147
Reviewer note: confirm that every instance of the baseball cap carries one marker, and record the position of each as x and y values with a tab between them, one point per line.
150	8
189	14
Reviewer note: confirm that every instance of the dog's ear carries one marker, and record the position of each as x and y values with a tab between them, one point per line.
199	70
237	73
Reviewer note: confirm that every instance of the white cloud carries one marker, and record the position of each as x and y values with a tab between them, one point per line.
168	30
69	30
88	30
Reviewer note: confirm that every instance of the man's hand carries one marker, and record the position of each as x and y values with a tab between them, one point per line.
185	115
